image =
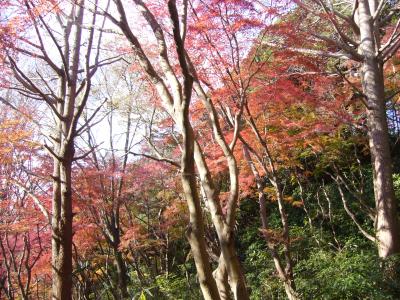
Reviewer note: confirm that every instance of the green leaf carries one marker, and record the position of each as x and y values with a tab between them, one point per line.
142	296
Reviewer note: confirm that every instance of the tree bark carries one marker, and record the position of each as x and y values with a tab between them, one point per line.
387	223
221	278
223	226
195	232
237	280
62	229
121	274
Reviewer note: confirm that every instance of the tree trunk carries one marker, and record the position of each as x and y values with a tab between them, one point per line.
62	229
221	278
121	273
289	283
237	280
195	233
290	290
387	224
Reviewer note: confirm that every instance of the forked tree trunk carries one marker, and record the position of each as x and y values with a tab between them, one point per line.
387	224
236	277
64	151
224	226
176	102
195	233
66	104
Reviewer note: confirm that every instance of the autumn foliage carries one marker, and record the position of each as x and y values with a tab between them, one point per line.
129	127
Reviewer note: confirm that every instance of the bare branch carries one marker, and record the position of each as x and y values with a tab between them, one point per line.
35	199
160	159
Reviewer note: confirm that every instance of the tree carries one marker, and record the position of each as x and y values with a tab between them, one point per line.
175	95
56	79
288	108
24	226
359	31
105	173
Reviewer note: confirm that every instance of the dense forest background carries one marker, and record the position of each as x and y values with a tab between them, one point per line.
199	149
